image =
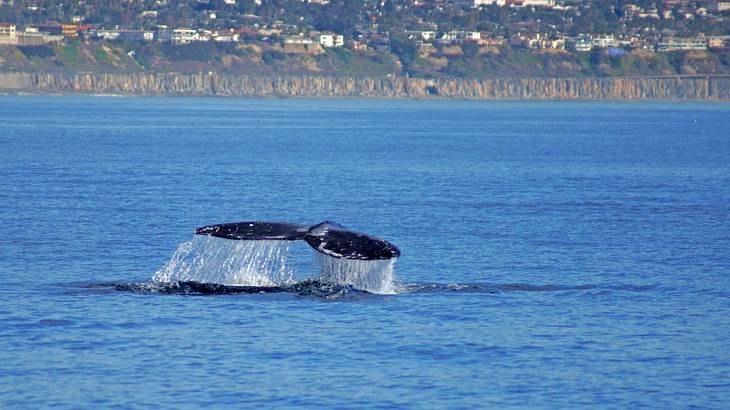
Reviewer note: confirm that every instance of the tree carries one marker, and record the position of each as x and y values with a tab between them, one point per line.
405	49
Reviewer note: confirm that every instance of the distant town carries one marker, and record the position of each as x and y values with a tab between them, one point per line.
411	30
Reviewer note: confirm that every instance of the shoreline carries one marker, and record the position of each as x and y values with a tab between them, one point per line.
661	88
5	93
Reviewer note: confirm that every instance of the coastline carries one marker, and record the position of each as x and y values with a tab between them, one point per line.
699	87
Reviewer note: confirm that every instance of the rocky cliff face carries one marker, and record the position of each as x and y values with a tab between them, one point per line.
701	87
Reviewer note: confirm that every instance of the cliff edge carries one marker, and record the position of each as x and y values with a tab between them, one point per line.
234	85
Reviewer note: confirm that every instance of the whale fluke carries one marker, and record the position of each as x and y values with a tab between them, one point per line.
255	231
329	238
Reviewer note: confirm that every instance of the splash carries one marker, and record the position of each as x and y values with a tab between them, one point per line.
265	263
375	276
206	259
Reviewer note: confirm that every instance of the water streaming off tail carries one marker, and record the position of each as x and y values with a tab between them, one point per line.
376	276
206	259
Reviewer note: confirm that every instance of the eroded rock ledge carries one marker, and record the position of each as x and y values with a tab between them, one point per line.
613	88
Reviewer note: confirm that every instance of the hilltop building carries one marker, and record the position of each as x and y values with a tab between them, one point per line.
503	3
604	41
331	40
579	44
9	35
185	35
679	43
718	42
720	6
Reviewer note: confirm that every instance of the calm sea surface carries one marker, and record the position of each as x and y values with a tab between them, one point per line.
557	254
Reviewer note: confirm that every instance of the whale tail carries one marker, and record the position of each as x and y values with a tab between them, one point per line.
329	238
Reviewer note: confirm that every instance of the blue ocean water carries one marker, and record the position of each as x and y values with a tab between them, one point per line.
554	254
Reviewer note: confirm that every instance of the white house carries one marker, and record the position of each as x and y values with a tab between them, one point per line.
226	36
331	40
7	30
604	41
472	36
184	35
538	3
457	36
108	34
477	3
678	43
8	34
720	6
580	44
